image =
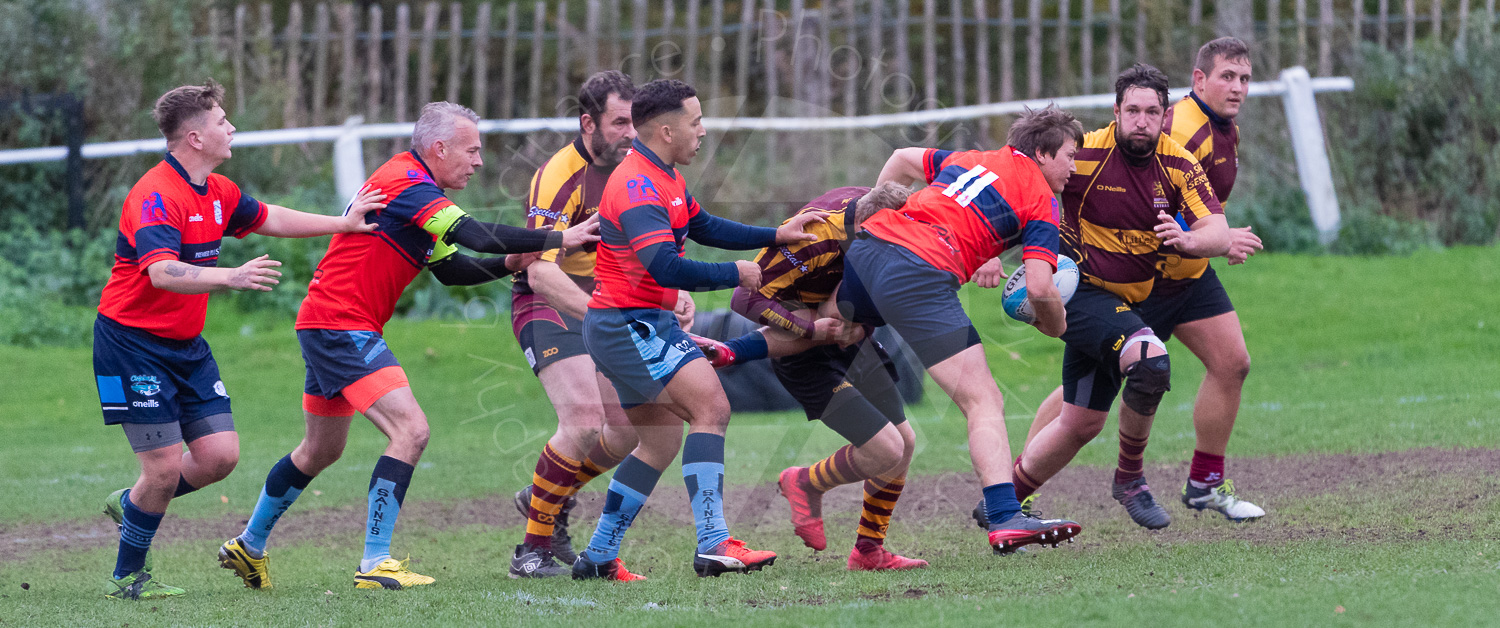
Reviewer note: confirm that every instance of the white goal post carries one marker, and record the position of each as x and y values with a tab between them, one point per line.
1295	87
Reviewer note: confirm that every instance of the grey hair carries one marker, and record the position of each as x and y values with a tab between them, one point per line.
437	123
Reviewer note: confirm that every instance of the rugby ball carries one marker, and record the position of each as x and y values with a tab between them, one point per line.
1013	296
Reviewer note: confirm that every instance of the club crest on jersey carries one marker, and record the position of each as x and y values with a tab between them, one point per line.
1158	196
639	189
152	209
218	212
418	175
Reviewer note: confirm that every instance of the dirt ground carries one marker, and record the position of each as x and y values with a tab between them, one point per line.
1306	498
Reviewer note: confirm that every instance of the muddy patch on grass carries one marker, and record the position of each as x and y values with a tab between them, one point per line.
1421	494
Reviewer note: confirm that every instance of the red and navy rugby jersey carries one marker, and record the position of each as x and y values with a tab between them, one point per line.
362	275
641	182
166	217
977	205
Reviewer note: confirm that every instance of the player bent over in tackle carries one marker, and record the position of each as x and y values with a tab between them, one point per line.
349	366
1118	210
906	267
157	377
548	304
849	383
634	337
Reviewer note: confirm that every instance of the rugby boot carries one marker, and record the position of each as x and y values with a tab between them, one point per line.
809	527
585	569
719	354
731	556
881	559
1222	499
390	574
1136	497
983	519
139	586
562	542
535	562
256	572
1021	530
116	513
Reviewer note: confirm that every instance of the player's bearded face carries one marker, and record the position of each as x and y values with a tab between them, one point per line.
1138	120
613	133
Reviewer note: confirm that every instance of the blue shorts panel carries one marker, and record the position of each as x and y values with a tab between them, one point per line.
915	298
144	378
638	349
337	358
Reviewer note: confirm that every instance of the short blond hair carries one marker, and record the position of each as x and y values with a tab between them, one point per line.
888	195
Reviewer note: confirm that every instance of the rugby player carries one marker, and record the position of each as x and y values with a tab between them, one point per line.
155	373
548	304
1188	299
349	366
851	387
1119	209
906	267
636	341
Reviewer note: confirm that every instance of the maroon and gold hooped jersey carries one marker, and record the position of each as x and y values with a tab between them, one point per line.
1214	142
1110	210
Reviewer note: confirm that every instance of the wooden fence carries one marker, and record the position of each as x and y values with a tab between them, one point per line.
318	63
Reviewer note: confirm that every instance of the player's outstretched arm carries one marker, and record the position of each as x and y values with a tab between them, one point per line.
1209	236
904	166
458	269
453	226
282	222
1046	301
183	278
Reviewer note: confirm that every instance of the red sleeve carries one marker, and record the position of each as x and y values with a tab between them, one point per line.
1039	233
932	163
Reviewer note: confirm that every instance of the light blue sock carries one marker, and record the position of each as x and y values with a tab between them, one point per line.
703	472
387	491
283	484
628	491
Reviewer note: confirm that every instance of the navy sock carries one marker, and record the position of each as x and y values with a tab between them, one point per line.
748	348
628	490
183	488
283	485
387	490
1000	503
703	472
136	532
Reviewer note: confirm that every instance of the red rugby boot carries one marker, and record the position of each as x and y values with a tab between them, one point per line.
881	559
808	526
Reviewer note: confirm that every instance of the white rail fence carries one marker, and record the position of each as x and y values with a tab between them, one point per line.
1295	87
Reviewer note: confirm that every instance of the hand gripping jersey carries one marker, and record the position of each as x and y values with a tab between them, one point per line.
1214	142
806	273
566	191
1110	207
166	217
356	286
977	205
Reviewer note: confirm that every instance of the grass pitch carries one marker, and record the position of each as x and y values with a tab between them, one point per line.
1368	373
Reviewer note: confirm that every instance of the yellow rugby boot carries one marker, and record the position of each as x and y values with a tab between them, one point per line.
256	572
390	574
